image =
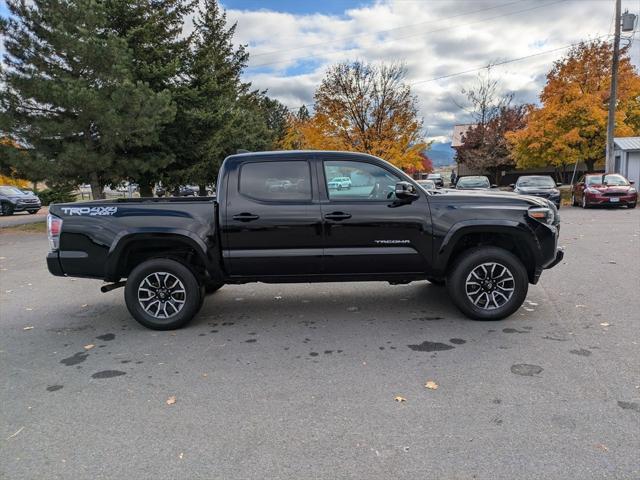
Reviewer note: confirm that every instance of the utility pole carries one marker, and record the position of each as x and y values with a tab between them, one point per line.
627	22
611	120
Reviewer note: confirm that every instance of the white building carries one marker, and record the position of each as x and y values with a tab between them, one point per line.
627	157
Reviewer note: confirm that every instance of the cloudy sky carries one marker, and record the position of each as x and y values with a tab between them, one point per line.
292	42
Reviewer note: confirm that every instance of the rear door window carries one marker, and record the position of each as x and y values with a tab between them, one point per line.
276	181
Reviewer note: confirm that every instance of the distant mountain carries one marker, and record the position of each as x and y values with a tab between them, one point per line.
441	154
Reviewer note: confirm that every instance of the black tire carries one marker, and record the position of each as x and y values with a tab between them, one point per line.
212	287
192	300
31	212
475	258
574	202
438	282
6	209
631	205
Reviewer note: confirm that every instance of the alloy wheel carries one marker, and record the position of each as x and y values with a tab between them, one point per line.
490	285
161	295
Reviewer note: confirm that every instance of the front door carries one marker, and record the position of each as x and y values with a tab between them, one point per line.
367	229
272	223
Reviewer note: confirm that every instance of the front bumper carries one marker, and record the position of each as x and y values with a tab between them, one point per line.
25	207
557	260
609	200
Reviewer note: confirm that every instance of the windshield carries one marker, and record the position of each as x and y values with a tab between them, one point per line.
434	175
541	182
473	182
10	191
611	179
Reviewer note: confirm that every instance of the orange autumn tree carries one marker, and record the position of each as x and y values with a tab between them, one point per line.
364	108
571	124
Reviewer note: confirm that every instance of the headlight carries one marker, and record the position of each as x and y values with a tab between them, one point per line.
633	190
555	193
542	214
592	190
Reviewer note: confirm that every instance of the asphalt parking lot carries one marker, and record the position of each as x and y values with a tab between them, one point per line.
300	381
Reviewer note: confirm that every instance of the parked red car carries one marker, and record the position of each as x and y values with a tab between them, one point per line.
604	189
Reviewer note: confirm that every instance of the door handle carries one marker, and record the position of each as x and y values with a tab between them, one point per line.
246	217
337	216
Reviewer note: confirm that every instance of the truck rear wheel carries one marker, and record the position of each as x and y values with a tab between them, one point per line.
488	283
163	294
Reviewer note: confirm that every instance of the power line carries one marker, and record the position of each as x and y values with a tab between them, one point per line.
420	33
496	64
378	32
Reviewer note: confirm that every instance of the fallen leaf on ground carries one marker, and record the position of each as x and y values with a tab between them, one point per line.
604	324
19	430
205	374
400	399
602	447
89	347
171	400
181	455
84	305
29	309
28	328
580	306
431	385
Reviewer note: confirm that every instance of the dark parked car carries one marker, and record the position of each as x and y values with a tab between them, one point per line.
486	247
604	189
182	191
478	182
540	186
437	179
13	199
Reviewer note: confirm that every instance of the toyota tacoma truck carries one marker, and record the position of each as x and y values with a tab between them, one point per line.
168	253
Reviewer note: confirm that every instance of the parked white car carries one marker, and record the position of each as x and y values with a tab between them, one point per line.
339	183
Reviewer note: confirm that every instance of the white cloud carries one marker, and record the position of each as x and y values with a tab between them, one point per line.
289	53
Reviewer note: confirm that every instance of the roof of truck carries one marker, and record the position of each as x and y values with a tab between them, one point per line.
298	153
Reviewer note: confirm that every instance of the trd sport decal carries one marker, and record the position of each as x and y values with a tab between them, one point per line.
91	211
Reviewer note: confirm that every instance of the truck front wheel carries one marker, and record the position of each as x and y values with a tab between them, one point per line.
488	283
162	294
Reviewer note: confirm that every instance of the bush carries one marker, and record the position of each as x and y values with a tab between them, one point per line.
57	194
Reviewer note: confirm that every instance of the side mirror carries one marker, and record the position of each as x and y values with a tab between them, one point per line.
493	185
631	182
512	185
558	184
406	191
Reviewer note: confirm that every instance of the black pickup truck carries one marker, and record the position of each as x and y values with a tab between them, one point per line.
278	219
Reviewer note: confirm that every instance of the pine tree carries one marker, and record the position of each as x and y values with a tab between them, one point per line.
68	97
153	33
218	110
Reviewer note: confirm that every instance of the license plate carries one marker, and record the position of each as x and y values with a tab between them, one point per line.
614	199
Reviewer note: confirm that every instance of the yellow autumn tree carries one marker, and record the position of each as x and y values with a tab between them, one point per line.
571	124
364	108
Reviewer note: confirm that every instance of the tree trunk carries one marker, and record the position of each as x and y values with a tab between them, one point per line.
146	190
590	164
203	190
97	188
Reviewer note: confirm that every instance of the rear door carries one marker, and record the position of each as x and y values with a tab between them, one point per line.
367	229
272	223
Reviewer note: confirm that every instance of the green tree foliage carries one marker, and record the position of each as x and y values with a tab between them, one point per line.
152	31
218	110
69	98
